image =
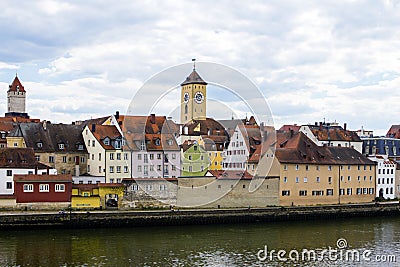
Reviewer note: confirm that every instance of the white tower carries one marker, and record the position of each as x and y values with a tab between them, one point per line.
16	96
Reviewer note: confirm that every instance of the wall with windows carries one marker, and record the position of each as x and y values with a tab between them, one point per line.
314	184
155	164
116	165
64	163
7	175
237	153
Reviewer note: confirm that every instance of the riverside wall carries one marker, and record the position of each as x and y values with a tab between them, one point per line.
26	220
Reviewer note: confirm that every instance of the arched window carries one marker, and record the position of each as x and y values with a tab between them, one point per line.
186	109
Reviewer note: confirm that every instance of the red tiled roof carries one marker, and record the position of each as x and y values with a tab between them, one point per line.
16	85
103	131
394	132
43	178
225	174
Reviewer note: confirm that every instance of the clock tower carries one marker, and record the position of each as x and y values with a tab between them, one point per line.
193	98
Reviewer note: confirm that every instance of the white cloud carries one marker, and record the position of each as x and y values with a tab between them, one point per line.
312	60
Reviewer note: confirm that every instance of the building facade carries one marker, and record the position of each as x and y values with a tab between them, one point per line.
314	175
385	177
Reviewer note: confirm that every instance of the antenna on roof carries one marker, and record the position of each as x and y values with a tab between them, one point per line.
194	63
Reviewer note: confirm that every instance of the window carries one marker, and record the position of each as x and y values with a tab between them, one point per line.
125	169
158	167
145	170
285	167
112	180
365	191
159	156
51	159
8	185
64	159
306	167
317	193
173	156
44	188
118	156
297	167
99	169
135	187
349	178
341	191
82	159
285	179
61	146
173	167
303	193
349	191
318	179
285	192
163	187
125	156
9	172
145	158
139	156
317	167
111	169
28	187
139	168
142	145
111	156
152	168
118	169
37	157
359	191
371	191
151	156
92	143
329	167
297	179
305	180
329	192
39	145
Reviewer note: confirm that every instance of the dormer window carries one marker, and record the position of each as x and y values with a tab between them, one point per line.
170	142
107	141
118	144
39	144
142	145
157	142
80	147
61	146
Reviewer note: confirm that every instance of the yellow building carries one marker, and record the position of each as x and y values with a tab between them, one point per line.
111	194
193	98
85	196
313	175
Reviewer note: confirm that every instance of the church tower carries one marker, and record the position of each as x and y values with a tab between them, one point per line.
193	98
16	96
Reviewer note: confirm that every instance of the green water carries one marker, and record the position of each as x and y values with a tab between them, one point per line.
211	245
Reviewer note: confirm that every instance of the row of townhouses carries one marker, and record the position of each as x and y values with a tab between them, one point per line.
131	161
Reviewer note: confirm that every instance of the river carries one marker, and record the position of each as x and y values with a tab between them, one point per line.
375	240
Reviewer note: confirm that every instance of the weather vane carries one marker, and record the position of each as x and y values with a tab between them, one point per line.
194	63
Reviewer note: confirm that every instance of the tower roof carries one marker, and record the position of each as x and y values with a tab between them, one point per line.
16	85
194	77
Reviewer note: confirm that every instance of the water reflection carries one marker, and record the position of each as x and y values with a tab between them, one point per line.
213	245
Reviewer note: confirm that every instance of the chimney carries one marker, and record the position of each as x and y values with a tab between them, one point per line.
291	133
345	126
320	125
152	118
117	115
93	127
45	125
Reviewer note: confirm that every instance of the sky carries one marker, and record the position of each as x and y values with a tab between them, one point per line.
311	60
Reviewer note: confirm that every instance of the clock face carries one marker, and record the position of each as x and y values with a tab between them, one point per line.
186	97
199	97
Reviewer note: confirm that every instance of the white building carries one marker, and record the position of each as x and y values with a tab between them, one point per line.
243	143
331	134
106	157
18	161
385	177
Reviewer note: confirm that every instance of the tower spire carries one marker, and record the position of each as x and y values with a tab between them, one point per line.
194	63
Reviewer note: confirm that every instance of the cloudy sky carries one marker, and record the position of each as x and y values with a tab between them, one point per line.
338	60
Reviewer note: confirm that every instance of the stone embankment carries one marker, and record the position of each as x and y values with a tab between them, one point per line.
93	219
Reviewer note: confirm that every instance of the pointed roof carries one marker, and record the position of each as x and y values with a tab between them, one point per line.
16	85
194	77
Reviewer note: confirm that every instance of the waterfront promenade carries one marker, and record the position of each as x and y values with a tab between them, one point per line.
118	218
